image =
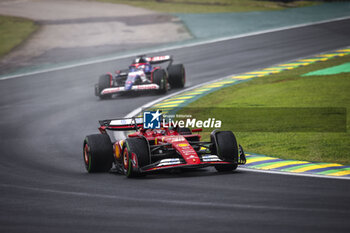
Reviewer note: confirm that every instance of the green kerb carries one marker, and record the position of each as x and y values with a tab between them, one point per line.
344	68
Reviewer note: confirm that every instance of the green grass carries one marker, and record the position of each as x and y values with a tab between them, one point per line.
289	89
210	6
13	31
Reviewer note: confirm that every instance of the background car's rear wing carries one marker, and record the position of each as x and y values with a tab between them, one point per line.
121	124
160	59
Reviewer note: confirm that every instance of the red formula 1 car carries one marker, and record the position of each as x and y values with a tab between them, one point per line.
149	150
141	76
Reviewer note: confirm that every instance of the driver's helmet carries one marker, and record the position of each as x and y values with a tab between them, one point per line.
140	63
159	131
140	59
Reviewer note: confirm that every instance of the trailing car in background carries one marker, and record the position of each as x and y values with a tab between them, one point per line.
149	150
141	76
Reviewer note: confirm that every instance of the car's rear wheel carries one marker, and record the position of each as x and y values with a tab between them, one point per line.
136	154
104	82
160	78
177	76
225	146
98	153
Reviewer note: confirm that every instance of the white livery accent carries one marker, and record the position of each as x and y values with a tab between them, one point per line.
165	162
139	73
160	58
126	122
210	158
113	90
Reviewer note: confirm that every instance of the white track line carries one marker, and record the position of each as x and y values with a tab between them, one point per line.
170	48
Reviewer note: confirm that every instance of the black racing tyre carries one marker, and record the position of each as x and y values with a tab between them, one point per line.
184	131
104	82
139	147
226	167
177	76
160	78
98	153
225	146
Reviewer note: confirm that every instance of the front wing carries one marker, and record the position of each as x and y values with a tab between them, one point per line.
206	160
114	90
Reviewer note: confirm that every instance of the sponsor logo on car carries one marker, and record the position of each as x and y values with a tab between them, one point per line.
183	145
151	119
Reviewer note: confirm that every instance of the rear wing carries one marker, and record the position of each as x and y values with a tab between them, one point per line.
160	59
121	124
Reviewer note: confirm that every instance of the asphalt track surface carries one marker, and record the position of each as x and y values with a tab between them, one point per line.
44	186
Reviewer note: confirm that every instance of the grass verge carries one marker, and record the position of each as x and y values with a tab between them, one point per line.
13	31
289	89
210	6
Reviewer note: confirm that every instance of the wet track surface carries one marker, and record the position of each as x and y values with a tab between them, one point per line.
44	186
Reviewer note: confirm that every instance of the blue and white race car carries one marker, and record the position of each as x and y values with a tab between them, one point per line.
141	76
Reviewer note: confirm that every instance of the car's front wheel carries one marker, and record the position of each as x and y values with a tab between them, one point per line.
225	147
136	154
160	78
